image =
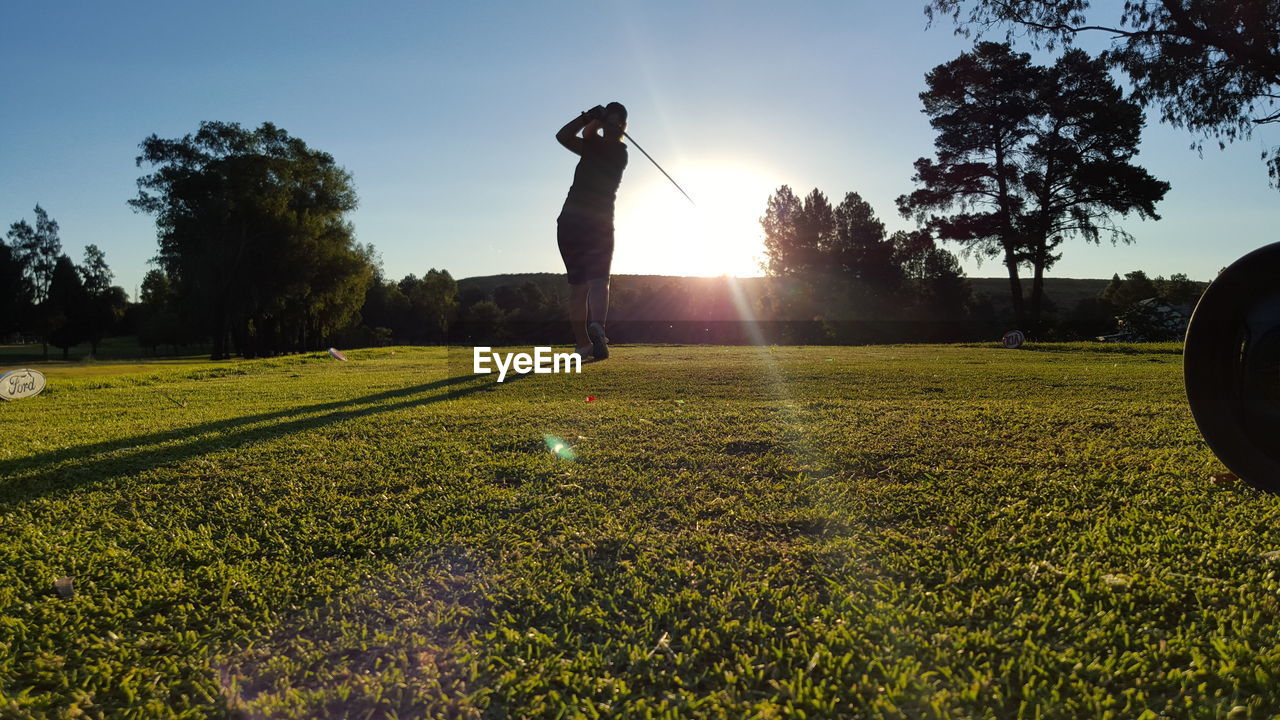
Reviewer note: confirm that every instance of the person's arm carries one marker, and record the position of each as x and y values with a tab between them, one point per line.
568	135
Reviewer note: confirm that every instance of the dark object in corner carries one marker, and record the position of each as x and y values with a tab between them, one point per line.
1231	367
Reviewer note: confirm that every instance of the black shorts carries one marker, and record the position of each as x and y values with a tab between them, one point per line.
586	245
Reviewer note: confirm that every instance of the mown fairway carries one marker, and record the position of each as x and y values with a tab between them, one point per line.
896	532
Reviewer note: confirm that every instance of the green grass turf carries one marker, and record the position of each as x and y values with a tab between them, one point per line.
878	532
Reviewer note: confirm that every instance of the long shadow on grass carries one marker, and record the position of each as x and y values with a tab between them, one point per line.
11	467
69	467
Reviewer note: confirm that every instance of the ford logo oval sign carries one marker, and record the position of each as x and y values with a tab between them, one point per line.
20	384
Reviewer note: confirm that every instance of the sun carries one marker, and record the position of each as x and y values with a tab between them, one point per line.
659	232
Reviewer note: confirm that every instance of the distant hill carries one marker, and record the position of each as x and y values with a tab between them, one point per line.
555	283
710	298
1064	293
644	297
549	282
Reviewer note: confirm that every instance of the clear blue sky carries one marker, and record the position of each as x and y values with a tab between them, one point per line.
445	114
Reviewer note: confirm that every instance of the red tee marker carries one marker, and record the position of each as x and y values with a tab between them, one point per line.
591	398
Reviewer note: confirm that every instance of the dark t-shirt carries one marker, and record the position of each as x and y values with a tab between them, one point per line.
596	179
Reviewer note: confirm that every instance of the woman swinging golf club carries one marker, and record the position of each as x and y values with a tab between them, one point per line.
584	230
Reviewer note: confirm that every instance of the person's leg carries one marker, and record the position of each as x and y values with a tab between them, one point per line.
598	299
578	314
598	309
570	237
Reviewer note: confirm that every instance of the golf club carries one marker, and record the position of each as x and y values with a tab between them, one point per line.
655	164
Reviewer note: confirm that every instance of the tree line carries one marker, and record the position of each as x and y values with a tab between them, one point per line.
523	309
47	296
872	287
849	268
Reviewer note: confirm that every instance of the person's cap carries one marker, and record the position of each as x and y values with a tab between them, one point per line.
616	108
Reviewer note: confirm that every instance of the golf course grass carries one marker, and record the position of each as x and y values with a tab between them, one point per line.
745	532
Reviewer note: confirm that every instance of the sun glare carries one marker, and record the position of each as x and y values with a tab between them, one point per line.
659	232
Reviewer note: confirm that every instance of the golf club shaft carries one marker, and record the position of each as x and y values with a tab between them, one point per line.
664	172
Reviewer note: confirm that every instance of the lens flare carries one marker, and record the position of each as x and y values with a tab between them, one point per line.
559	447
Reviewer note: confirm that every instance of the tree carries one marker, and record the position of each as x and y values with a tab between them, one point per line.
1112	287
105	304
333	289
1210	66
1079	172
812	238
981	104
1135	287
911	252
1178	289
38	250
531	296
13	305
533	318
66	304
781	224
815	229
110	308
21	242
156	288
859	247
432	303
506	297
385	306
1091	317
438	301
94	271
253	237
1028	157
161	321
485	322
932	274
